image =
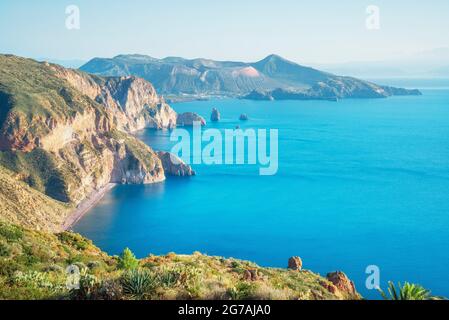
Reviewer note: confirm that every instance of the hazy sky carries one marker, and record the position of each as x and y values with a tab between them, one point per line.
304	31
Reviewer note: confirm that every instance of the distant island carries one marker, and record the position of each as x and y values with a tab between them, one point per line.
273	78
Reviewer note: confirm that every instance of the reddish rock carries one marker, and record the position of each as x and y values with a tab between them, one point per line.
295	263
342	282
250	275
329	287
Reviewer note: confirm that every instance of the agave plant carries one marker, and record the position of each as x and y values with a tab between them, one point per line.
408	291
138	282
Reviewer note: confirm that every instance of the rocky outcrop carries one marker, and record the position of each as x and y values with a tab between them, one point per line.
342	283
132	101
243	117
338	284
189	118
251	275
295	263
215	116
174	166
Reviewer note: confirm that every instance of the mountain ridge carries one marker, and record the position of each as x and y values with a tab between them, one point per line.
178	78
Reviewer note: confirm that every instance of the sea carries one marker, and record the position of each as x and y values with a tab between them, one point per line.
361	185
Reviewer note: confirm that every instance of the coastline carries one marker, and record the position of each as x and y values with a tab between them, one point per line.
85	205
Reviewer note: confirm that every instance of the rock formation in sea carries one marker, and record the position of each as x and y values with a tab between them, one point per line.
189	118
174	166
243	117
215	116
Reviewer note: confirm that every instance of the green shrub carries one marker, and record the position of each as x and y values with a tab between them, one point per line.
242	291
72	259
74	240
138	282
32	279
27	257
9	267
128	260
5	250
88	287
408	291
169	277
186	277
10	232
193	283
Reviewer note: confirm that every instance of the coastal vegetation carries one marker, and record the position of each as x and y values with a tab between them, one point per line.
408	291
34	264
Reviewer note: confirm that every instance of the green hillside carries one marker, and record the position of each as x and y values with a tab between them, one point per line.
33	266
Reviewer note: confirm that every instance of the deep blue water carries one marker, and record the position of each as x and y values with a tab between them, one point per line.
360	182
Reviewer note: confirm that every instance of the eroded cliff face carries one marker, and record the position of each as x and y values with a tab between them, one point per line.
66	133
132	102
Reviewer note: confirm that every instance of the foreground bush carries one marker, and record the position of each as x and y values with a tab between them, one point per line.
138	283
128	260
408	291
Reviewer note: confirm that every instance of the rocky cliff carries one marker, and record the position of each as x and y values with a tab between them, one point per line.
65	133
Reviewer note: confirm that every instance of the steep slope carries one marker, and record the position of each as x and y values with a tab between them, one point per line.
65	134
22	205
181	78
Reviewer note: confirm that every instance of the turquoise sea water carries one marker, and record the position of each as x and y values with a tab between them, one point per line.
360	182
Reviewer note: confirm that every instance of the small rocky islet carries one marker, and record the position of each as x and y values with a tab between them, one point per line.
215	115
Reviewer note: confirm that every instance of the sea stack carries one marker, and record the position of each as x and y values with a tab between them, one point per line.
215	116
174	166
243	117
189	119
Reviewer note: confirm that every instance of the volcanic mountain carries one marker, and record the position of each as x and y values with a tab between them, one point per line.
271	78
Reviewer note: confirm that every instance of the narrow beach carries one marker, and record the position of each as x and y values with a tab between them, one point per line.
86	205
